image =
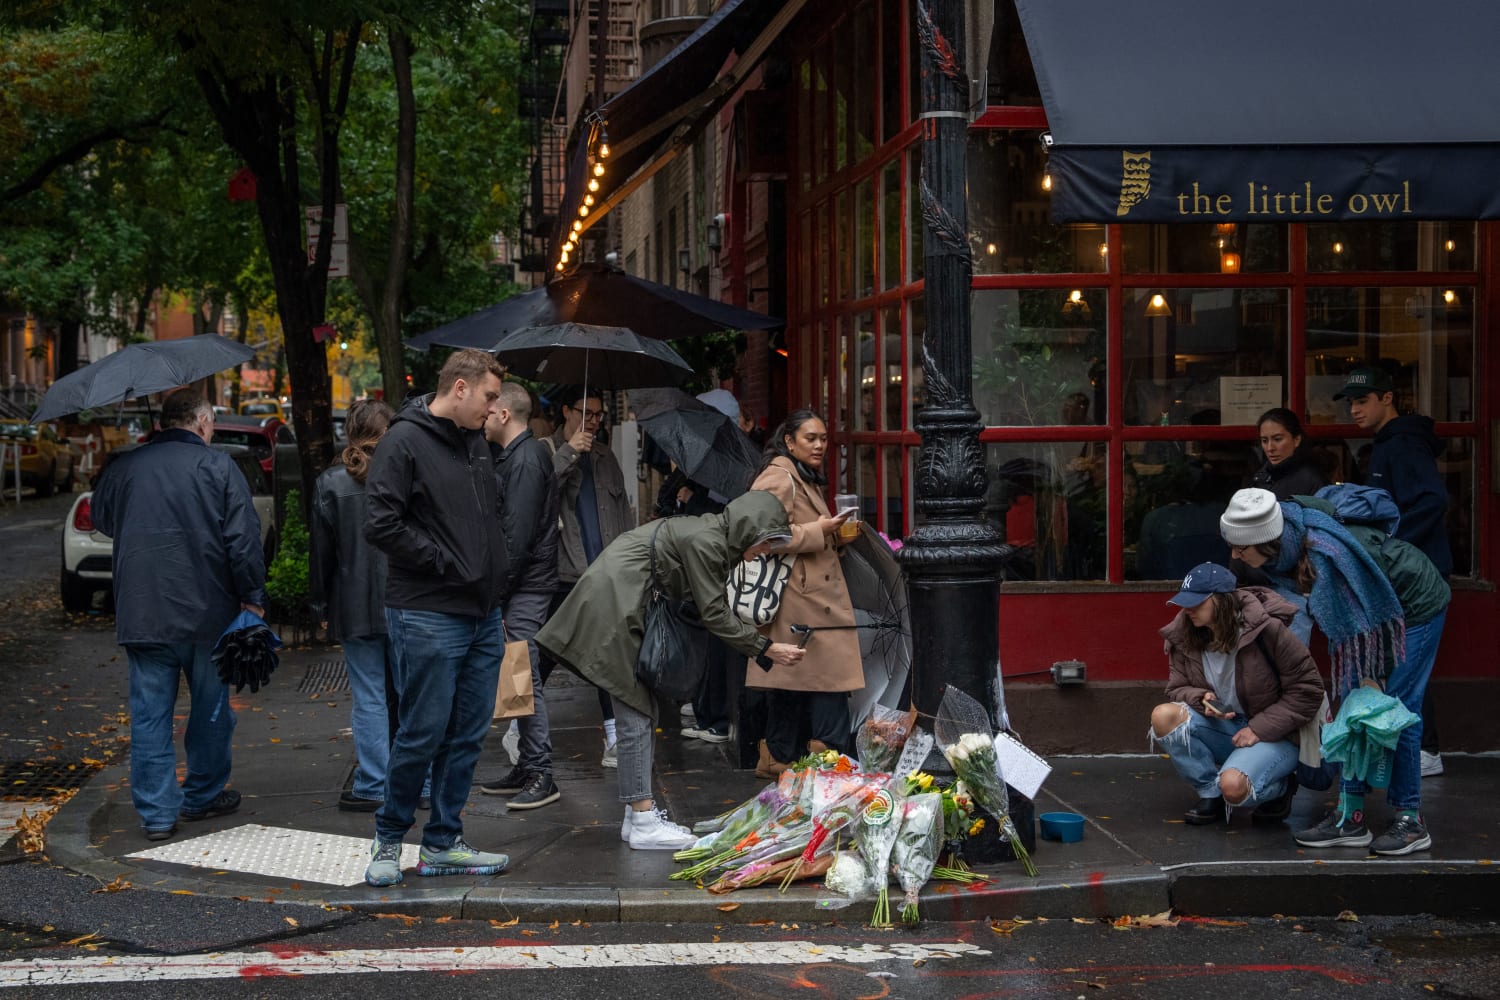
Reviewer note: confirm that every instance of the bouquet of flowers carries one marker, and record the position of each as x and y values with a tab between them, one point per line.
880	738
837	799
879	825
848	875
964	734
916	849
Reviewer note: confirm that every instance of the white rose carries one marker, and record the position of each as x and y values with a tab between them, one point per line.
959	752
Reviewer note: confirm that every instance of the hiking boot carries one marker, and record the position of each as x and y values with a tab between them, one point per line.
768	767
1209	809
385	863
540	791
224	803
459	859
1407	834
511	741
1351	832
160	833
1278	809
1432	764
351	803
611	754
513	783
708	734
652	831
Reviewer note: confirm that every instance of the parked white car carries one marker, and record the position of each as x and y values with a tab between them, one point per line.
88	554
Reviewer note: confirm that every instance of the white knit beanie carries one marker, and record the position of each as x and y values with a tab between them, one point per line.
1252	517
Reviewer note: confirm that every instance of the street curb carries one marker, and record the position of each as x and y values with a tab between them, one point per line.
1326	888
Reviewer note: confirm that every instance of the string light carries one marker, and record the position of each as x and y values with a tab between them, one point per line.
588	199
593	184
598	170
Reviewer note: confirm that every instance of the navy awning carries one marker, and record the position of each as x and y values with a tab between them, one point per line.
1272	111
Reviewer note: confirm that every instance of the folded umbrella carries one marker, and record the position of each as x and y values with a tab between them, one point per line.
246	652
1363	734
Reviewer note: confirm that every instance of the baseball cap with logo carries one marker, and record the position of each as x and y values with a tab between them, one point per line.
1363	381
1202	581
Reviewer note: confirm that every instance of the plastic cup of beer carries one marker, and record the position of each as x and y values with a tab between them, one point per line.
849	530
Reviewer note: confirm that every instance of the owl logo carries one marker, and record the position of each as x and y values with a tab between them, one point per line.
1135	180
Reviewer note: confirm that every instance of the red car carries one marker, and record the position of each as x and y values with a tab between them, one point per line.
260	435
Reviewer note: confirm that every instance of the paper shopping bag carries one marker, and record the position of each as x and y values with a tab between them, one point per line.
513	690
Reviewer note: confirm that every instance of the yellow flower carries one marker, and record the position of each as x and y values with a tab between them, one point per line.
976	827
830	756
925	781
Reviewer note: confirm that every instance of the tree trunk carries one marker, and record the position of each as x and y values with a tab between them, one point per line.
388	328
67	347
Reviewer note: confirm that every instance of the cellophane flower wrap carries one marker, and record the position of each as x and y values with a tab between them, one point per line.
880	738
879	826
915	851
963	731
837	799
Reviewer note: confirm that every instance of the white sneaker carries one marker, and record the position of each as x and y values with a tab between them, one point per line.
687	712
511	741
625	825
652	831
610	758
1432	765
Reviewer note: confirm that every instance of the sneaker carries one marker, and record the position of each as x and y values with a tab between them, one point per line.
166	832
652	831
610	758
511	741
625	825
385	863
351	803
1405	835
708	734
512	784
224	803
540	791
460	859
1332	833
686	713
1432	765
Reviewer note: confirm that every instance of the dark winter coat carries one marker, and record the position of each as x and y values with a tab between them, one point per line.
528	514
611	501
1295	475
434	512
1421	589
1403	462
1279	693
187	540
597	631
346	574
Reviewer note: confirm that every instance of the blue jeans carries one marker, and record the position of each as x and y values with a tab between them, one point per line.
1203	747
447	667
154	672
365	663
525	613
1408	685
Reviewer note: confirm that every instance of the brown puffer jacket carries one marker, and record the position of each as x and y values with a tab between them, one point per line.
1279	697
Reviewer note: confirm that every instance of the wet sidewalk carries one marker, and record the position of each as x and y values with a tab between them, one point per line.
289	842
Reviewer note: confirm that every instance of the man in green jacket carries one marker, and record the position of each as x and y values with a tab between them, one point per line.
597	631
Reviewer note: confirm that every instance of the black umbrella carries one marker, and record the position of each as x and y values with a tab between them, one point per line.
707	446
610	356
599	295
877	591
139	370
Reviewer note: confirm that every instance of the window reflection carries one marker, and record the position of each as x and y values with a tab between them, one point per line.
1010	213
1390	246
1049	500
1039	356
1174	492
1204	248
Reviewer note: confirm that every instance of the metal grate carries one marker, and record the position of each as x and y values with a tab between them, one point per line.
328	675
27	779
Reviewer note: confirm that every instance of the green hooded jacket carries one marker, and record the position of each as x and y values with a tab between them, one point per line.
597	632
1419	586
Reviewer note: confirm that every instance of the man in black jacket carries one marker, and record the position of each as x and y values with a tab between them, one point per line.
528	503
187	559
433	511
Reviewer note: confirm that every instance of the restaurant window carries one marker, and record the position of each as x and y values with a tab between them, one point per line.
1203	356
1174	492
1390	246
1039	356
1051	503
1204	248
1010	212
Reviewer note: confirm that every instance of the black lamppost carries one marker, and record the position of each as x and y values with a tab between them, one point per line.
953	559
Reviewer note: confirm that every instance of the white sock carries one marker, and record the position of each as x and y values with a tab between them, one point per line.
609	732
515	727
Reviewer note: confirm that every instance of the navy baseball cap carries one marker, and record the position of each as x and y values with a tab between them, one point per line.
1362	381
1202	580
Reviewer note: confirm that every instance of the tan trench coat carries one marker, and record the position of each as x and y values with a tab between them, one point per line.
815	595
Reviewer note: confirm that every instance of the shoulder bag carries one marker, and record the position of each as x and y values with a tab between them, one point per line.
674	649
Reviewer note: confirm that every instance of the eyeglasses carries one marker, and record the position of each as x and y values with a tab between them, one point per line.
594	415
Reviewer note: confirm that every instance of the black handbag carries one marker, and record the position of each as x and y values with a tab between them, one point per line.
674	649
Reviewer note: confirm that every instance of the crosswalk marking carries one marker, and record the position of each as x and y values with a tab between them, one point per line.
96	969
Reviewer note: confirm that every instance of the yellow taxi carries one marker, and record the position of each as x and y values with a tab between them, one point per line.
46	463
263	406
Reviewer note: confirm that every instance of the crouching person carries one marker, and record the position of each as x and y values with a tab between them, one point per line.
597	632
1241	685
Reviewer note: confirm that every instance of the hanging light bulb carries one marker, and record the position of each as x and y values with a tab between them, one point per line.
1229	262
583	211
568	246
593	184
604	149
1158	306
577	226
559	265
563	259
1338	248
598	170
1046	182
588	199
1450	246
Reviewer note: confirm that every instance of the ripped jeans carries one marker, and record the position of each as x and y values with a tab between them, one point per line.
1202	748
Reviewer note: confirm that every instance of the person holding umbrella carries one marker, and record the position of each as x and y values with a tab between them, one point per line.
187	560
811	695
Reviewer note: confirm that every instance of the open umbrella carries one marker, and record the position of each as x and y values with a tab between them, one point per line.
707	446
611	356
597	294
139	370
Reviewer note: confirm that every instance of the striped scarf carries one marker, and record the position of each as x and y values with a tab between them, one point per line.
1352	599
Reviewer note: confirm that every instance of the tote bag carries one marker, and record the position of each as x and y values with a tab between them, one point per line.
755	588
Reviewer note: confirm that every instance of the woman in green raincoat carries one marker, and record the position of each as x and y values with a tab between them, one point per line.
598	630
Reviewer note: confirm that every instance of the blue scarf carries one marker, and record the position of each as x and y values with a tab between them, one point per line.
1352	599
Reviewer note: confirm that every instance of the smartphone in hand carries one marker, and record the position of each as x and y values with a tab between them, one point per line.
847	511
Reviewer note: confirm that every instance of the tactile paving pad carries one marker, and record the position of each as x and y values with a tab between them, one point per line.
296	855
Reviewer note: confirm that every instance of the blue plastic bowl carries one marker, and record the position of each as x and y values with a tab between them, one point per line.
1064	827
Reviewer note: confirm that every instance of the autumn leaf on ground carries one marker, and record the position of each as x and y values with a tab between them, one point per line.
87	937
443	920
529	933
1348	916
292	921
552	926
1006	926
728	907
31	830
1163	919
118	885
507	923
404	918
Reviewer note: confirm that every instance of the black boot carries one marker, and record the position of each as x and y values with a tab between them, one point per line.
1278	809
1208	810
